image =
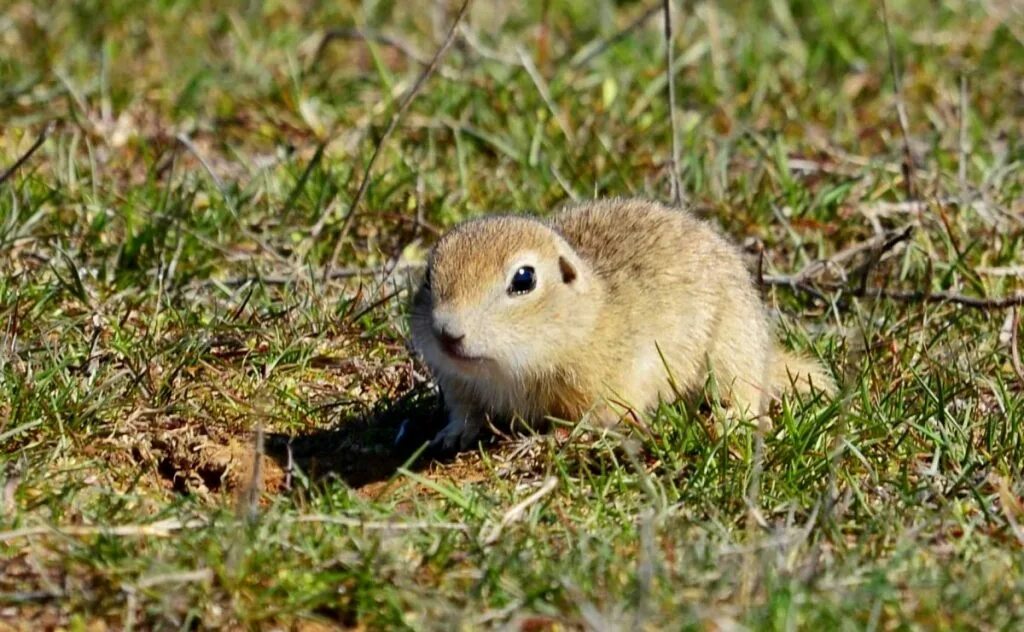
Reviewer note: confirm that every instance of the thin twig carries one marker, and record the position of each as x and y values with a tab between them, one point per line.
180	577
392	262
1011	507
901	108
376	525
1014	271
516	512
674	181
350	272
378	38
28	154
647	556
961	169
545	94
250	497
395	118
300	184
889	242
916	296
904	296
367	36
880	244
162	528
374	305
595	49
1014	345
190	146
753	498
755	517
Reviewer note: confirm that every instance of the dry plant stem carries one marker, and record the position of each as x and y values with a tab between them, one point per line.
190	146
6	175
879	243
516	512
755	518
392	262
377	525
328	274
599	48
1014	345
676	186
545	94
367	36
250	497
801	281
161	529
395	118
1011	507
964	144
903	296
888	242
901	108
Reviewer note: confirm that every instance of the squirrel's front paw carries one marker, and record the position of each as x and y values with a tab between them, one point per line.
460	432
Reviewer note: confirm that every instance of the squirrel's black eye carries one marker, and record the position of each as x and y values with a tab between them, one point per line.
523	281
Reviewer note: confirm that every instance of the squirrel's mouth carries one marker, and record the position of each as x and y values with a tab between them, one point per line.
461	357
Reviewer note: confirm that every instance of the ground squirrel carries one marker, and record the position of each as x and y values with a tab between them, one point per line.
606	307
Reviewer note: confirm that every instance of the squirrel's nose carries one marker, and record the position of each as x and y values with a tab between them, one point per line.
450	342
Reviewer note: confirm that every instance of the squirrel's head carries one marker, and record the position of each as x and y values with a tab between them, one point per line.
502	297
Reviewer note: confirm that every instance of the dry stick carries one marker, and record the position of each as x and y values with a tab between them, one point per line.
905	296
880	244
288	279
367	36
376	525
374	305
163	528
1015	271
545	94
378	38
1011	506
517	511
191	147
755	518
590	52
888	244
961	169
187	143
801	280
250	496
1014	348
674	183
28	154
901	108
402	107
180	577
392	265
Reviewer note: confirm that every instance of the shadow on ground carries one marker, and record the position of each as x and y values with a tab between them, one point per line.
368	448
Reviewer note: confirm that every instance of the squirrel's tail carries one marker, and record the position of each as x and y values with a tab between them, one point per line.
790	371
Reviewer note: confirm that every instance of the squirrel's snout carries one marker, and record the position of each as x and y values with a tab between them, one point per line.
451	343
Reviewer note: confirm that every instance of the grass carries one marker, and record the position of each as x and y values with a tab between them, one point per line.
163	305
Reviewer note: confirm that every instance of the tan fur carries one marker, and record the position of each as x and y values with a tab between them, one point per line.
655	301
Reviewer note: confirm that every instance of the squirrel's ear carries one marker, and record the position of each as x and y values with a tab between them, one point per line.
569	272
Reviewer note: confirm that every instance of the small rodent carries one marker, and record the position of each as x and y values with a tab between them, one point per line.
606	307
